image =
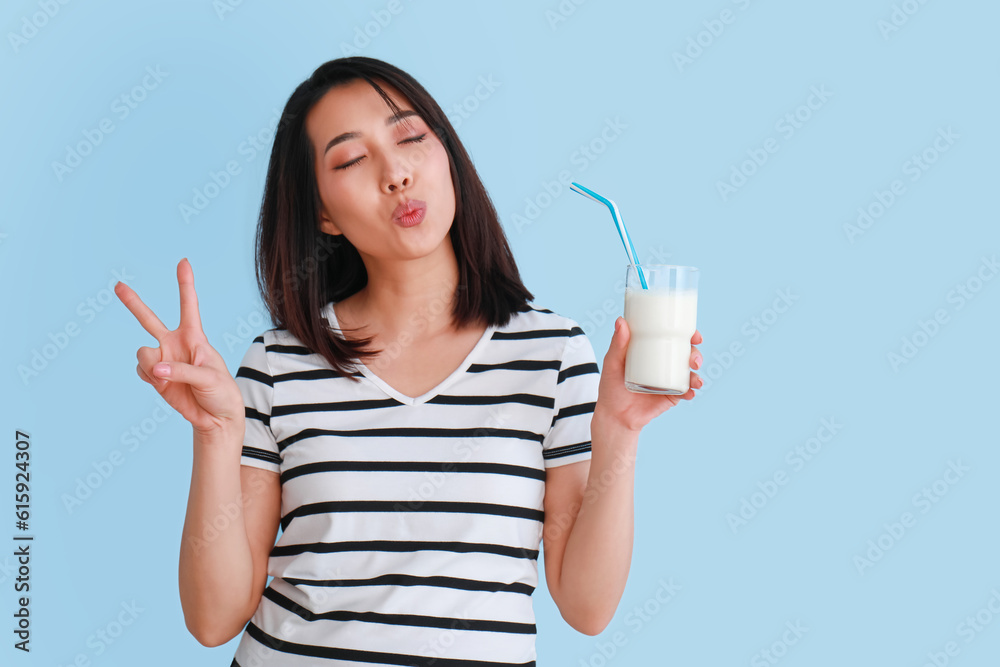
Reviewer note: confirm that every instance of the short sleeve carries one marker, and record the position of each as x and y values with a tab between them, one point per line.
568	438
254	379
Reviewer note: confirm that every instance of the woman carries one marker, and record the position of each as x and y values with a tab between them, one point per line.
412	422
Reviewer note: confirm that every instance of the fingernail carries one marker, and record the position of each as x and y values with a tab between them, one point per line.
162	369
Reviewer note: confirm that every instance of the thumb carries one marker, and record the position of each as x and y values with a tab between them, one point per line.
199	377
622	334
619	344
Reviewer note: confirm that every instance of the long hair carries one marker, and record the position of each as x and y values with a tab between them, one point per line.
300	268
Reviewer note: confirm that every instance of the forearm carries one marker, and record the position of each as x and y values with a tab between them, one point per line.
216	568
598	552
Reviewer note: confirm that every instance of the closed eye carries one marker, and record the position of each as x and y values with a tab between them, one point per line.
411	140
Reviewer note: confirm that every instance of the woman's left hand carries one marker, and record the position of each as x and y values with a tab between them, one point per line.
630	410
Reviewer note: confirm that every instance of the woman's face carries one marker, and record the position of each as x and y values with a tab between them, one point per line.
368	162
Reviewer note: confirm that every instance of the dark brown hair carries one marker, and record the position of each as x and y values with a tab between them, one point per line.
300	268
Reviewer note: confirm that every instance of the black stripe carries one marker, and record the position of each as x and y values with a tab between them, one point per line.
298	408
412	580
370	656
331	506
537	333
566	451
413	432
475	625
527	399
573	410
516	365
412	466
251	413
289	349
579	369
254	374
316	374
262	454
542	310
404	547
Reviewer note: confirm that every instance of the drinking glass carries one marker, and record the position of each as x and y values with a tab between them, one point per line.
662	319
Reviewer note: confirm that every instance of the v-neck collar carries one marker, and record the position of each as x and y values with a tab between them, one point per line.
331	317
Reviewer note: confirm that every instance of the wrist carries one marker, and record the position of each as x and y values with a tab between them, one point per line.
220	439
604	426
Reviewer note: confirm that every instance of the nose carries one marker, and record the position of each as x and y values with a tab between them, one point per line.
398	174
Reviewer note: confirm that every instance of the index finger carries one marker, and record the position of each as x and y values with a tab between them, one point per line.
147	318
696	338
189	298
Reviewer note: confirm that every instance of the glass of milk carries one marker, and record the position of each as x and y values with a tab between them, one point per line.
662	321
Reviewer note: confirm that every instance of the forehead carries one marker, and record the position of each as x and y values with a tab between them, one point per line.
351	106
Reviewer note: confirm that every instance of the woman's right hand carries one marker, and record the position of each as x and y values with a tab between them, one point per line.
190	375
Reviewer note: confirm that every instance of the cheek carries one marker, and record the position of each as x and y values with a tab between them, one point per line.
327	192
337	187
438	162
338	199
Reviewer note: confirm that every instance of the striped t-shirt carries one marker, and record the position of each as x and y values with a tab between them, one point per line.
410	527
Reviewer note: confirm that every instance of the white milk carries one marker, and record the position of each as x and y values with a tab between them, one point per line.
662	322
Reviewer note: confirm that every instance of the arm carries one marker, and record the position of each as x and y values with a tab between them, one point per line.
589	509
217	594
588	530
234	511
227	533
215	570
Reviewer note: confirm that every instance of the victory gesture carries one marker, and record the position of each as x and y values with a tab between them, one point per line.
190	375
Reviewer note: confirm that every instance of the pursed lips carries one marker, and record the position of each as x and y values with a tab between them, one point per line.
408	208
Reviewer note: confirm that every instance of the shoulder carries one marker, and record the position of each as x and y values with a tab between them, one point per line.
276	341
550	333
270	347
542	321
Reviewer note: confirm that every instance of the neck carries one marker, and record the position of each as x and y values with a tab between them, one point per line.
414	296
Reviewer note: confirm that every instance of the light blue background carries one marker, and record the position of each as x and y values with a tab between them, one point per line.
685	128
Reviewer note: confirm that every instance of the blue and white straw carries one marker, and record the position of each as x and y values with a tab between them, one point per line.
619	224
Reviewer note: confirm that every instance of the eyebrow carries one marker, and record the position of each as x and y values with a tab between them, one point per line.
346	136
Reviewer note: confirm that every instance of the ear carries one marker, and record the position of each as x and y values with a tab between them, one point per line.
327	226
